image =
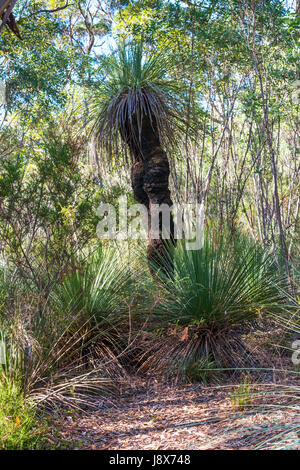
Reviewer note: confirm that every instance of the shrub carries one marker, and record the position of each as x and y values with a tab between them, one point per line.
63	347
96	290
209	298
19	426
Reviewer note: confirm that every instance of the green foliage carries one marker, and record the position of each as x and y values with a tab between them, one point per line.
62	346
240	397
220	285
49	203
96	288
203	371
209	298
12	359
136	84
289	318
70	313
19	426
38	68
54	358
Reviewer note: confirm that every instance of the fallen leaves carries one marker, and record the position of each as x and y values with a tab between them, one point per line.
165	418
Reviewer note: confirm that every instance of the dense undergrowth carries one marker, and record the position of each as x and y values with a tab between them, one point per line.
105	318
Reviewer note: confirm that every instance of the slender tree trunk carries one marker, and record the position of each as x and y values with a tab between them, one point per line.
6	7
150	183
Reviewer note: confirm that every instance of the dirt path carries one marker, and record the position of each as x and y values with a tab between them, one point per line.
162	417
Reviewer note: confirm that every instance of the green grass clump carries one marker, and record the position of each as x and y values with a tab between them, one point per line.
96	289
204	371
209	298
19	427
240	397
220	285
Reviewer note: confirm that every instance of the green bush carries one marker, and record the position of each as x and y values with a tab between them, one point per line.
95	288
19	427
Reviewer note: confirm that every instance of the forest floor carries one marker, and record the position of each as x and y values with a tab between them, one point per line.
168	417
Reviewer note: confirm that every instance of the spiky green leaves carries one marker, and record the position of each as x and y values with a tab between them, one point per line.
136	84
96	288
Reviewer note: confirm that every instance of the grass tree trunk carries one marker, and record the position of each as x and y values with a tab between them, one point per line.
150	183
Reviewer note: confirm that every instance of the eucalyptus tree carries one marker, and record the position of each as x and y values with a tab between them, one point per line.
139	102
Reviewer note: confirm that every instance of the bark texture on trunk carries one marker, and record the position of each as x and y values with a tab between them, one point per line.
6	7
150	183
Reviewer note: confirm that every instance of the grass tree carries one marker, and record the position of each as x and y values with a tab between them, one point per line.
215	296
139	102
